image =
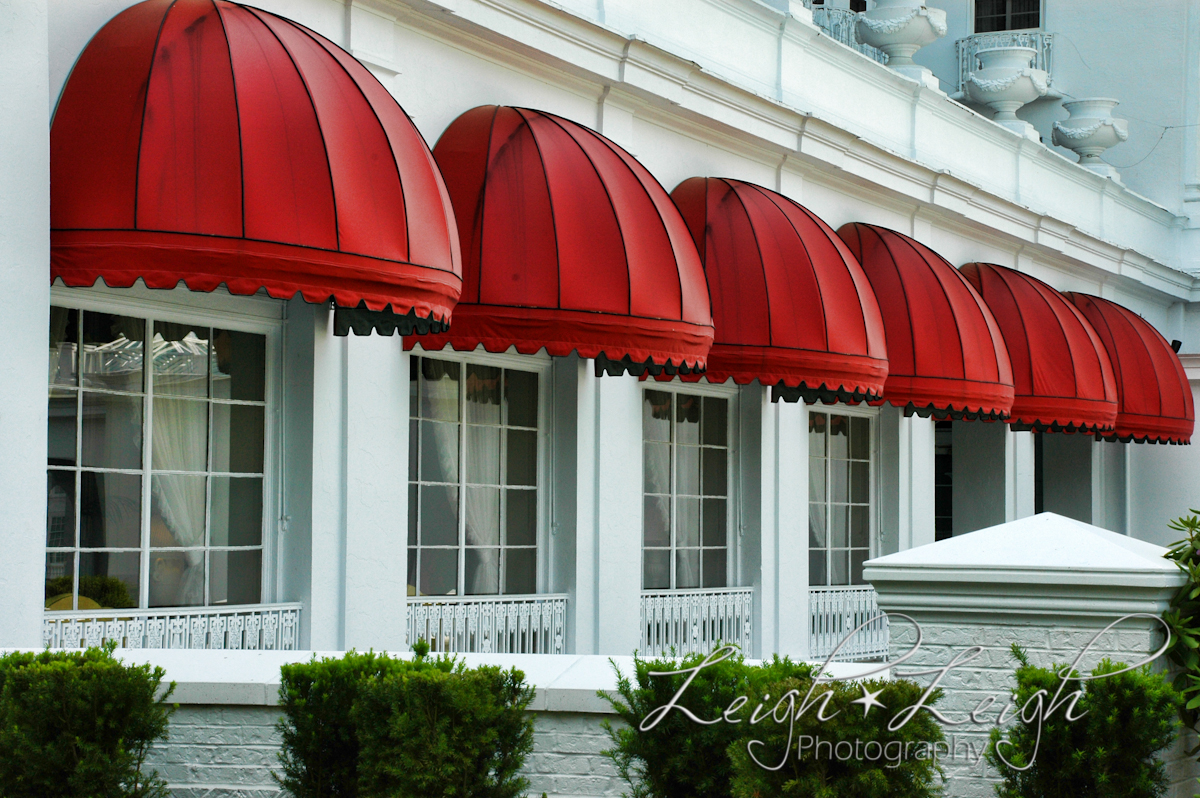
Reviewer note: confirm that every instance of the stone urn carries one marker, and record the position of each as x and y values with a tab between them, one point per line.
1090	130
900	28
1005	82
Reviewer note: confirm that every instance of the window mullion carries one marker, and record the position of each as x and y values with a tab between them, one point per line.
462	479
501	537
147	452
78	461
674	485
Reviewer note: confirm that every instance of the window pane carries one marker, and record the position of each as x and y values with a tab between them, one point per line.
687	476
521	517
816	479
180	437
715	472
239	365
816	568
687	419
839	567
839	478
235	577
714	568
483	395
656	569
857	558
483	516
61	429
60	576
860	438
64	342
439	572
687	522
687	568
839	526
520	570
482	572
839	441
439	389
860	483
414	448
112	351
60	508
657	469
716	424
412	571
109	579
112	430
860	527
110	510
522	457
180	356
816	526
714	522
177	510
439	452
521	393
237	438
656	521
656	416
483	455
816	434
237	511
439	515
413	506
414	388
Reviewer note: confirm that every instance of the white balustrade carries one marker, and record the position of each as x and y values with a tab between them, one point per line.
1042	44
696	621
250	626
839	24
490	624
835	612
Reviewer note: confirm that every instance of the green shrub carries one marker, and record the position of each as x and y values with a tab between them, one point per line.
1121	722
370	725
79	723
439	731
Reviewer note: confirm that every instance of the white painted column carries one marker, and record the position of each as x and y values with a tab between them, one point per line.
25	285
376	578
916	505
575	503
1018	475
791	524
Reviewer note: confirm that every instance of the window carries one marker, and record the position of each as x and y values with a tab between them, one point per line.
1001	15
943	480
685	456
840	497
155	476
473	471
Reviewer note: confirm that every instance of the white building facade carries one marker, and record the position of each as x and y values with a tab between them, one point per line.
229	471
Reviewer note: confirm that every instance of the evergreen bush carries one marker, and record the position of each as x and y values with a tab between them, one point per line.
79	723
1108	751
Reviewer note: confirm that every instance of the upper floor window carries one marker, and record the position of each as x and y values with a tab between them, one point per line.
473	479
686	507
840	497
155	469
1002	15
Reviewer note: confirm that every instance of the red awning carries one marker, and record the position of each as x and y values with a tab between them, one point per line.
208	142
946	356
1154	399
791	305
1063	378
571	245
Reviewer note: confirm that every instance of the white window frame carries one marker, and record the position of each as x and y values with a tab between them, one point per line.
540	364
733	553
1040	26
258	314
874	479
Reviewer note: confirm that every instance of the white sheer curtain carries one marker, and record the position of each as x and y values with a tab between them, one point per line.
180	442
439	397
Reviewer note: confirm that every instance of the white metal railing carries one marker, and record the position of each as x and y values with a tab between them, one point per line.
487	624
840	23
1043	43
695	621
250	626
835	612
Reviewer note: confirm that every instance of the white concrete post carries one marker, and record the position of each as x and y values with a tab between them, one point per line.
916	505
25	285
791	530
1019	475
583	590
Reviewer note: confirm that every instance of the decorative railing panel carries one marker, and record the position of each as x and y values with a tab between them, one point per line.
695	621
1043	43
251	626
487	624
840	23
835	612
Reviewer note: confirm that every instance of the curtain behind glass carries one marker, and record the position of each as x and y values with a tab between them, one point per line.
180	438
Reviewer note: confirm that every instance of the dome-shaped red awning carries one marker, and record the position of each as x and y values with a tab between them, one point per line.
945	353
208	142
1154	398
791	305
569	244
1061	372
